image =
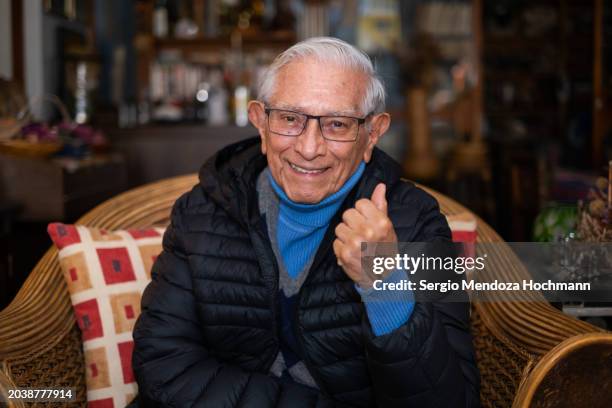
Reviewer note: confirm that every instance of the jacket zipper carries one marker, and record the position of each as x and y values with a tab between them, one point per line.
300	340
318	259
274	296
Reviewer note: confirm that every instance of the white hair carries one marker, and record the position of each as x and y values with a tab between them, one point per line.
328	50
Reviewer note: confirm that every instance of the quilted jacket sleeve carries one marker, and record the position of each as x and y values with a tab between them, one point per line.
429	361
171	363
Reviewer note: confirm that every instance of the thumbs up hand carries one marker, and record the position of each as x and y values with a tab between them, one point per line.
366	222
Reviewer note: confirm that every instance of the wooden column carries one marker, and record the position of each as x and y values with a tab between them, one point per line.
17	41
477	101
598	101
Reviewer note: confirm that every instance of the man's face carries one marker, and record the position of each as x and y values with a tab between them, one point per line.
308	167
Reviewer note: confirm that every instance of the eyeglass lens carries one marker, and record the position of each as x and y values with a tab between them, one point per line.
289	123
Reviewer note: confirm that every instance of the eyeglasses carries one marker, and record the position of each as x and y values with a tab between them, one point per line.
334	128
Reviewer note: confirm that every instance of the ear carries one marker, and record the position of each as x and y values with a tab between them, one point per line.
378	126
257	116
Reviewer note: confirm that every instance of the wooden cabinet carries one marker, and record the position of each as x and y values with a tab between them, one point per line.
36	191
156	152
52	190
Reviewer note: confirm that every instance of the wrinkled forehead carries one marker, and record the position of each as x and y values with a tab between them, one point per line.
319	88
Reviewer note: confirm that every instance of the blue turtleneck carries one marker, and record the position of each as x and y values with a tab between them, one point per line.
301	227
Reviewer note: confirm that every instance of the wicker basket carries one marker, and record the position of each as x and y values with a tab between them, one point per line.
9	143
9	127
12	101
24	148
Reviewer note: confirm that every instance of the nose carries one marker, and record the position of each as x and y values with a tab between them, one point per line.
311	143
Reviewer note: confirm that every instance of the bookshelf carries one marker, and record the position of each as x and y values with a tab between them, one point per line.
181	75
546	96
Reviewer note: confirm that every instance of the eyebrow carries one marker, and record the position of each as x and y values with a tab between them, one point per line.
333	113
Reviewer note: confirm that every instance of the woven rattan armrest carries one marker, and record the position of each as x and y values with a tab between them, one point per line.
575	373
5	385
533	326
511	338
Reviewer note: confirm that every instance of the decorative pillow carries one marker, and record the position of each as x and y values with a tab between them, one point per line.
463	229
106	272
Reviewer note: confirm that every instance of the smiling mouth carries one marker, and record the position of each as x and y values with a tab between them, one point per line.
303	170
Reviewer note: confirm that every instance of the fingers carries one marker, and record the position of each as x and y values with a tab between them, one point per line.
348	258
365	222
337	250
353	218
367	209
371	208
379	199
352	239
344	233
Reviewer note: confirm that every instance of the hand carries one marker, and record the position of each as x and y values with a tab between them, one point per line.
367	222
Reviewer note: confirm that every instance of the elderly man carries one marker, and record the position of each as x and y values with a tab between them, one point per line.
259	299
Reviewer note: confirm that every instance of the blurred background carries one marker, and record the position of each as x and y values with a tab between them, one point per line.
504	105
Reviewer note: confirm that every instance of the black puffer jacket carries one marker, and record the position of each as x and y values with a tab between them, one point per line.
208	332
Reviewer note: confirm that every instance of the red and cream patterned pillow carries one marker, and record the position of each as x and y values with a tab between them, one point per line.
463	228
106	273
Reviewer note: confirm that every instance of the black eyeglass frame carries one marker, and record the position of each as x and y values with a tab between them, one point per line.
360	121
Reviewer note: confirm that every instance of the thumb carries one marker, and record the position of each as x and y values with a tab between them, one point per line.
378	197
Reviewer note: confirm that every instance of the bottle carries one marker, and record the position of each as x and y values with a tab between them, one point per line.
201	102
160	19
241	94
218	99
185	27
241	98
229	14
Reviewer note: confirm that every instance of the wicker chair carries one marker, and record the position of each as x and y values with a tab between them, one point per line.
529	354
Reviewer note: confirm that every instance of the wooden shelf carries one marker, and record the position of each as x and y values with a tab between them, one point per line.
274	40
517	113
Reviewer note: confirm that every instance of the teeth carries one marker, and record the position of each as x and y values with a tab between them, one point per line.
301	170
